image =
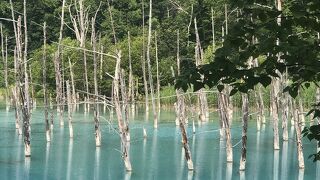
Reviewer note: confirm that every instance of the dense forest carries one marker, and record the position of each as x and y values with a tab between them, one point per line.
169	17
249	56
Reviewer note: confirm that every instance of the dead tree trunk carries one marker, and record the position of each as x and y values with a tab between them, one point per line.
182	124
158	78
259	96
145	83
44	84
96	106
123	127
57	67
245	111
74	99
297	125
225	117
202	98
80	23
275	117
70	107
131	82
301	113
155	112
285	108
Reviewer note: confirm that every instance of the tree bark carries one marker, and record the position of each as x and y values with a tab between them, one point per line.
123	128
245	111
155	112
145	83
299	141
44	84
158	78
96	106
182	120
226	122
202	99
69	100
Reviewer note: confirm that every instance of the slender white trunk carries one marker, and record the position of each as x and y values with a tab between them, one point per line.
69	100
299	141
123	127
226	122
158	78
44	84
145	83
245	111
154	109
202	99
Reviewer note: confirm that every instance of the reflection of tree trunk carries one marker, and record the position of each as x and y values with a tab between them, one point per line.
45	94
123	126
297	126
245	111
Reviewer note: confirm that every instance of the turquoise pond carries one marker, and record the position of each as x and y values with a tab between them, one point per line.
160	156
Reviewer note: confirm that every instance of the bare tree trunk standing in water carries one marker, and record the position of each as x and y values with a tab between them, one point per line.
275	88
245	111
96	105
123	127
202	98
16	91
158	78
144	63
224	104
297	126
154	109
44	84
80	23
57	66
69	101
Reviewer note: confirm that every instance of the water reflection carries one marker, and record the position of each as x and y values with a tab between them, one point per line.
27	162
161	156
60	154
318	169
275	164
221	155
301	174
69	166
284	160
242	175
127	176
190	175
229	171
47	161
257	158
